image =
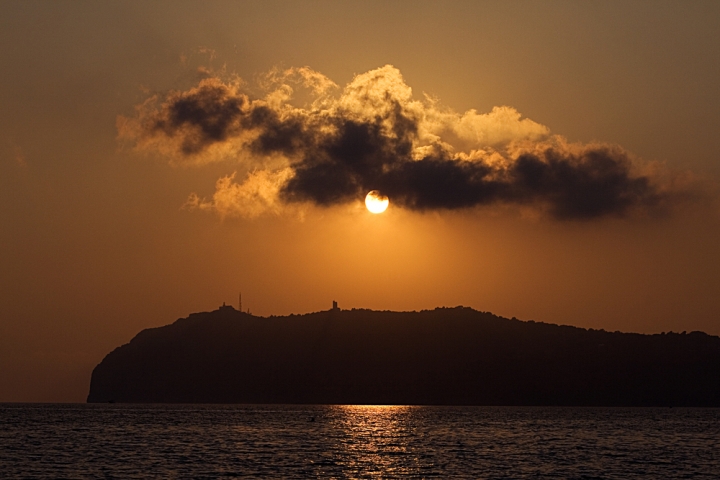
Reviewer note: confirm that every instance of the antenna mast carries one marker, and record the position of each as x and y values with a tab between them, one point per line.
240	301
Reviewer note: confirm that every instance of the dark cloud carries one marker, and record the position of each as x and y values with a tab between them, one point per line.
205	115
361	157
276	135
595	183
337	155
439	183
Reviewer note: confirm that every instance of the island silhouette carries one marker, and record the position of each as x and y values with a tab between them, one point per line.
445	356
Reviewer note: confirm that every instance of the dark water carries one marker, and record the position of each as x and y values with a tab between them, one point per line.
190	441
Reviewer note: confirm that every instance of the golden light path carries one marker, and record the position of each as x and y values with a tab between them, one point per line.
376	202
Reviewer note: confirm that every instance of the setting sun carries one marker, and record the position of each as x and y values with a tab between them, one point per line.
376	202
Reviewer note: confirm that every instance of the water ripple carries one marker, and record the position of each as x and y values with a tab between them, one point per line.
216	441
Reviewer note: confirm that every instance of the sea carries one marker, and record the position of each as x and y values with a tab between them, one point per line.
78	441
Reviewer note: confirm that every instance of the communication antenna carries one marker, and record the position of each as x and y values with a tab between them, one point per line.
240	301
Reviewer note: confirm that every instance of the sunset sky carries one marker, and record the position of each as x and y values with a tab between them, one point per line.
554	161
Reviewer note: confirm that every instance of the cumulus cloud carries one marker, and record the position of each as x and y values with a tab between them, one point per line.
256	196
374	134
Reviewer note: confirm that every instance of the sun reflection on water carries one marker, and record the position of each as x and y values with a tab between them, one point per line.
376	438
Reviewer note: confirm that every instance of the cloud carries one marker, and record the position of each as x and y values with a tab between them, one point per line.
200	124
257	195
374	135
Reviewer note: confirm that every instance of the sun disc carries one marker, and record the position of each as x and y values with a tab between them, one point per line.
376	202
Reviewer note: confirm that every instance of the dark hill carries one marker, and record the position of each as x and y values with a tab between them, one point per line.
447	356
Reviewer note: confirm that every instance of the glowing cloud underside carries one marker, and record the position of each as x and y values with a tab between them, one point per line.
374	135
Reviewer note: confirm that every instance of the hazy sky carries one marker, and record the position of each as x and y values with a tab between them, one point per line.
114	133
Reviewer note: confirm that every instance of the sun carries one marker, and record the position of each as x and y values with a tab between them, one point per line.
376	202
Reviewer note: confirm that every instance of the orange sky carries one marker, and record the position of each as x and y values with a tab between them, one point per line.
97	244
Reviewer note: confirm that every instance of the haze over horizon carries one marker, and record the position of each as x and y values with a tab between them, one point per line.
547	161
